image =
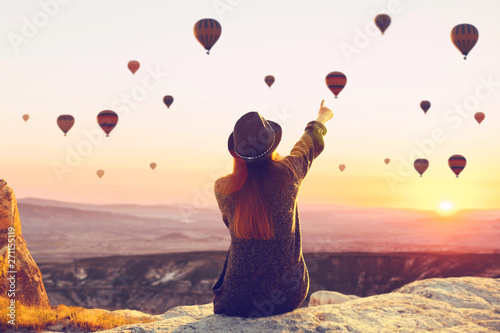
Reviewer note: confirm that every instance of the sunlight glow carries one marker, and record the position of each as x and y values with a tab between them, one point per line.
446	207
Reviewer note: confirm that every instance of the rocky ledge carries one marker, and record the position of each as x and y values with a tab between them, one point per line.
466	304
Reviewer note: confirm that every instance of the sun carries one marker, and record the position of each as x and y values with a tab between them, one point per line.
446	207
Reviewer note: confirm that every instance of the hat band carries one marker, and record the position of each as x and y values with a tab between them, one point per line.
254	157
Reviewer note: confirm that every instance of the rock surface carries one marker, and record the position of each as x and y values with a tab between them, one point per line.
465	304
27	279
324	297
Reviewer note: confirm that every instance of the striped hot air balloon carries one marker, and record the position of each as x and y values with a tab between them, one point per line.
382	21
464	37
207	32
269	79
425	105
107	119
479	116
133	66
65	122
457	163
336	82
421	164
168	100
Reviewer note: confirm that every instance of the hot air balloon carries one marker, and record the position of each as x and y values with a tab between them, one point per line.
26	117
425	105
168	100
269	80
65	122
387	160
107	119
152	165
457	163
133	65
421	165
479	116
207	32
341	167
382	21
100	173
464	37
336	82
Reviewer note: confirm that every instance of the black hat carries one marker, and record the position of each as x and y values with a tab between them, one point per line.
254	138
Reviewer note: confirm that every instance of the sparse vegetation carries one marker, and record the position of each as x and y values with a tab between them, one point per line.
68	318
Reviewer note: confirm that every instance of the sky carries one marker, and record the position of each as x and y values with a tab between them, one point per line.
70	57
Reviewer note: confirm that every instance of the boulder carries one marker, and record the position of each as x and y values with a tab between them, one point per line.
18	270
444	305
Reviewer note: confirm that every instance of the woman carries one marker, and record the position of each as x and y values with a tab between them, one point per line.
264	273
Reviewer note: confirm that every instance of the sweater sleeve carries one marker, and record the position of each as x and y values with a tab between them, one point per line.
310	145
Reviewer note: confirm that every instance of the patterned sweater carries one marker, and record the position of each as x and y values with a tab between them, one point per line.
269	277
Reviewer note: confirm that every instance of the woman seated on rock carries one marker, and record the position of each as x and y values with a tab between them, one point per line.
264	273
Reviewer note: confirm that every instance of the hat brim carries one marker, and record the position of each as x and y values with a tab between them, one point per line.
277	132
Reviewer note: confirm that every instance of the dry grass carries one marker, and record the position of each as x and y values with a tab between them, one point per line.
71	318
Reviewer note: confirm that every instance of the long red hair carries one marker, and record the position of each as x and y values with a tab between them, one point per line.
252	216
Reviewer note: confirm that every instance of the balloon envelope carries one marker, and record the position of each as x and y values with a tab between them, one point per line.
100	173
207	32
464	37
425	105
269	80
421	165
479	116
107	119
382	21
26	117
341	167
133	66
152	165
457	163
65	122
336	82
387	160
168	100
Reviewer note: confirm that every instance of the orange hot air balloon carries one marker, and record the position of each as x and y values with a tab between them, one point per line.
387	160
464	37
168	100
65	122
457	163
479	116
207	32
341	167
421	165
100	173
107	119
152	165
269	80
133	65
425	105
336	82
382	21
26	117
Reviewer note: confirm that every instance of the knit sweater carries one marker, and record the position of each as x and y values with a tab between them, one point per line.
269	277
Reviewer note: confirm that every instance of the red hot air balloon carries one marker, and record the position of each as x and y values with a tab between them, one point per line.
26	117
387	160
65	122
341	167
425	105
152	165
133	65
336	82
269	80
464	37
168	100
207	32
421	165
107	119
100	173
457	163
382	21
479	116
